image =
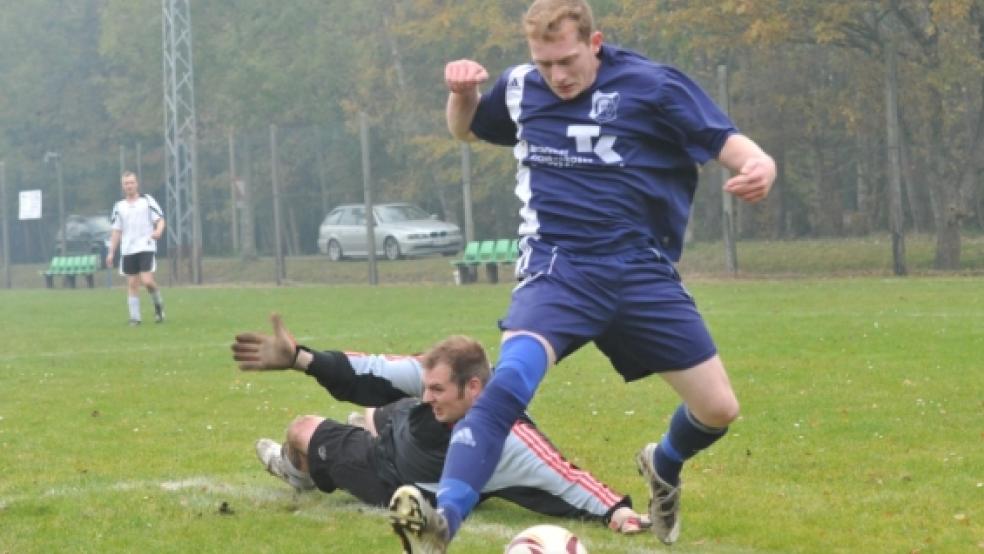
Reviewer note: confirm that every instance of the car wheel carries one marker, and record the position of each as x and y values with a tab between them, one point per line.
391	249
334	251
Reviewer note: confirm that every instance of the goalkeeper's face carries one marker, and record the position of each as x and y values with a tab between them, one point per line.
449	401
131	188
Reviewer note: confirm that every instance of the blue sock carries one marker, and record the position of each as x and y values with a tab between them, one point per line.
476	443
685	438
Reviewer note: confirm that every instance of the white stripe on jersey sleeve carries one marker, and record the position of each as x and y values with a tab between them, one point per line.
529	460
403	372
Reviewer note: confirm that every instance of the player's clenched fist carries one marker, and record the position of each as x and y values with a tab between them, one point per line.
754	179
464	76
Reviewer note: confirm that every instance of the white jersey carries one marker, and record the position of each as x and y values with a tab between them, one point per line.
136	221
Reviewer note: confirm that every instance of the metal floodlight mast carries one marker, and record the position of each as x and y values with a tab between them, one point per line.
184	237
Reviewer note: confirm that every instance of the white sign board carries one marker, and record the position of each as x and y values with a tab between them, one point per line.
30	204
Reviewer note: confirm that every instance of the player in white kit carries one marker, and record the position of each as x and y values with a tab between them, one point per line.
138	223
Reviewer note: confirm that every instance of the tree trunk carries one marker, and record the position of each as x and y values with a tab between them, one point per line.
979	206
322	179
448	213
896	219
293	238
948	244
248	230
945	192
394	48
912	179
862	222
828	206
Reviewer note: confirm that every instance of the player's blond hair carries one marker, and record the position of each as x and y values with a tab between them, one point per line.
128	174
464	355
544	18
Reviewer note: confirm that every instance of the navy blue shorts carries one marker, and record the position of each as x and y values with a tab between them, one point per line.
631	304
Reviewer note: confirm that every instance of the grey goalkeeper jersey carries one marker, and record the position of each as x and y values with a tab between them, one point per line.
412	444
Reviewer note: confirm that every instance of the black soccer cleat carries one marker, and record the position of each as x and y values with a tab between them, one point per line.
421	528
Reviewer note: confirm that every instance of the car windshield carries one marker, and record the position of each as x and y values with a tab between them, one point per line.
85	226
400	212
99	224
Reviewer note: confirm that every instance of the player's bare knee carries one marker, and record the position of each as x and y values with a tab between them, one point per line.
720	414
302	428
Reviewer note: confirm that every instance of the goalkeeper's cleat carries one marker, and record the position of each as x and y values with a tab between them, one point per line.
270	453
664	499
158	313
421	528
133	322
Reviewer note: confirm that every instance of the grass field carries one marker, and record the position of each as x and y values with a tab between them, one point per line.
857	256
862	426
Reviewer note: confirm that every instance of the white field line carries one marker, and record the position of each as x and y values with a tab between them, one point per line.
184	346
205	492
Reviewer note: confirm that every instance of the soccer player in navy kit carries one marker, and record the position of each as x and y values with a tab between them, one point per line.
607	144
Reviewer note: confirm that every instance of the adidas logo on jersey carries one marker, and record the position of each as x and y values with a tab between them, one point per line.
463	436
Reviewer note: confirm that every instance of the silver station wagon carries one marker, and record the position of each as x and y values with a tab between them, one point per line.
401	230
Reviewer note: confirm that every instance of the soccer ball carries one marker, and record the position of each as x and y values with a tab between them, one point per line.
546	539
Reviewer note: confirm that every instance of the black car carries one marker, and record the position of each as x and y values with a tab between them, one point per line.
86	234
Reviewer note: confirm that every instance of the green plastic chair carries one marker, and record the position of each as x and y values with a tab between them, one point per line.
471	252
55	267
69	270
49	274
469	256
486	251
90	264
503	254
469	260
67	265
486	257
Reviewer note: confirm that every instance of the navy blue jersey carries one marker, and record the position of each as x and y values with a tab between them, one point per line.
614	168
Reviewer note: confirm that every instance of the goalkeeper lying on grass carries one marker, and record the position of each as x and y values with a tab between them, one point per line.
417	400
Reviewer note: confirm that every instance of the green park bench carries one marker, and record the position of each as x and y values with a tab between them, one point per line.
71	267
489	253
